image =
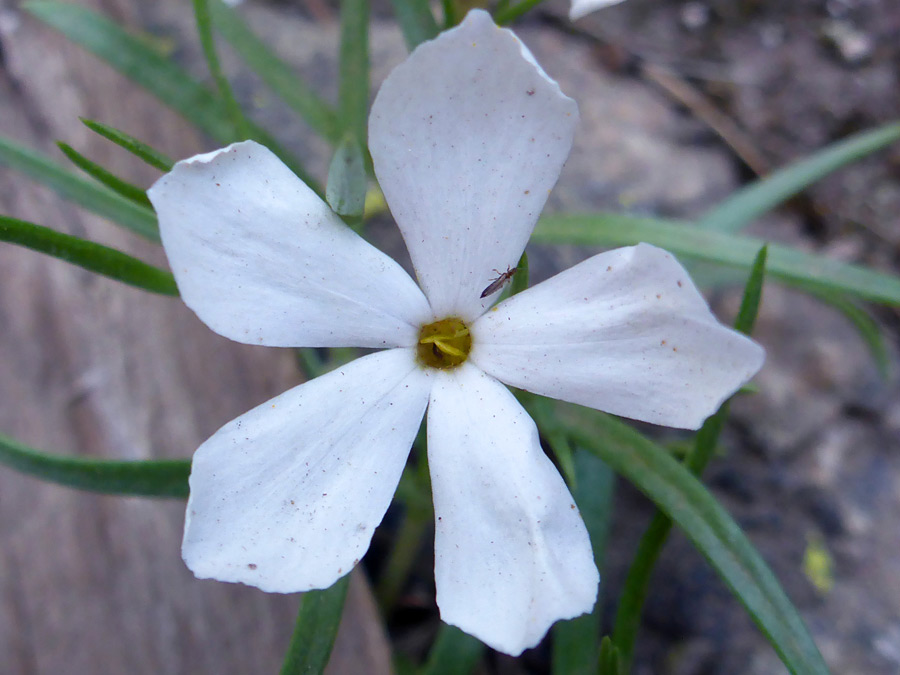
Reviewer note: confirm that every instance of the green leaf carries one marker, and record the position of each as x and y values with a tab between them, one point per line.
155	72
637	582
87	254
450	17
749	203
510	14
317	625
416	21
88	194
353	90
154	158
609	658
749	309
685	500
865	325
207	42
346	188
148	478
785	264
453	653
98	173
576	642
519	282
280	77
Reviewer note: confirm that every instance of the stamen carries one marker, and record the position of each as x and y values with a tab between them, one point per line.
444	344
447	349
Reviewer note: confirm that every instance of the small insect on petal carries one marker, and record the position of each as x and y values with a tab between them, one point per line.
499	282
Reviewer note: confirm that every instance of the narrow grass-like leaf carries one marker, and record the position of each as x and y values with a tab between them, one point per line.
345	191
98	173
749	309
864	324
416	21
510	14
685	500
749	203
637	582
139	149
87	254
453	653
519	282
316	627
609	658
88	194
576	643
139	62
208	43
785	264
353	87
279	76
450	16
147	478
156	73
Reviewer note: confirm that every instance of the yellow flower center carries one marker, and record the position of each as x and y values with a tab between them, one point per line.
444	344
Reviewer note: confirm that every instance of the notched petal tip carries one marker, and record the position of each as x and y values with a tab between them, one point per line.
287	496
467	155
262	259
481	20
201	160
512	554
626	332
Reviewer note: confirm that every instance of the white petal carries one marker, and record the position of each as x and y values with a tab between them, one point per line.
468	136
511	552
582	8
626	332
261	259
286	497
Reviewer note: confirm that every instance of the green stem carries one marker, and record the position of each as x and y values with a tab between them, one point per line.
204	29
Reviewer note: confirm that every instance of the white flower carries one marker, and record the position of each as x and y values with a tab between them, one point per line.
468	136
580	8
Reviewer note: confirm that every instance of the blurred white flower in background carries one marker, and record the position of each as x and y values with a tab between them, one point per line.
580	8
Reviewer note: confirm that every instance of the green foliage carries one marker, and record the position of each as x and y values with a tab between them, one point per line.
316	627
207	42
509	14
87	254
686	501
147	478
345	191
785	264
416	21
610	659
279	76
353	83
156	72
88	194
637	582
101	175
139	149
747	204
453	653
575	642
